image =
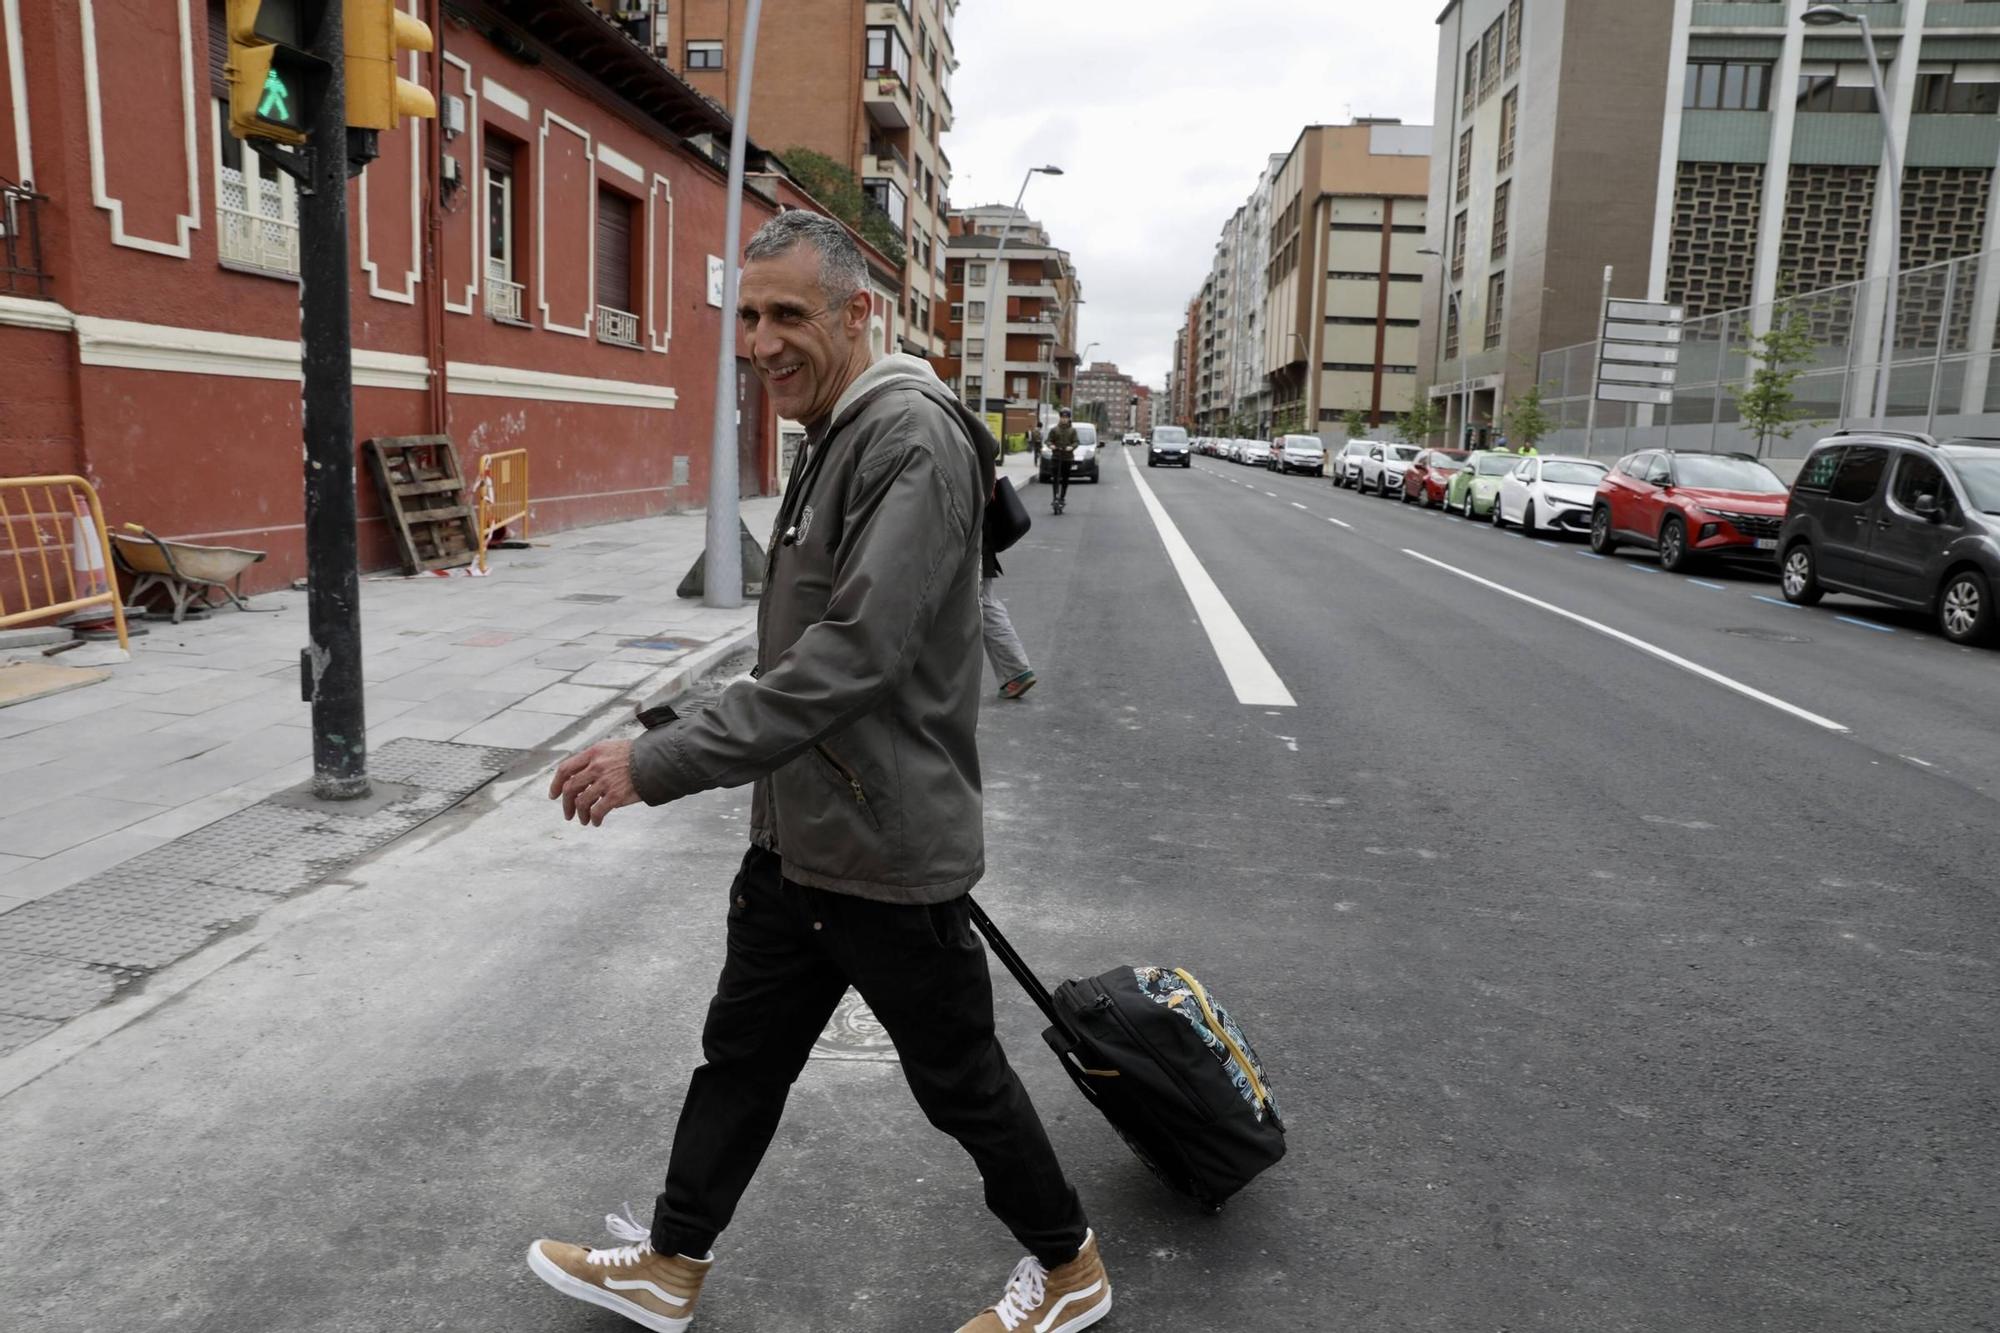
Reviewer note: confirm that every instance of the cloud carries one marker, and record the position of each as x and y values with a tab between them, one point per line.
1161	113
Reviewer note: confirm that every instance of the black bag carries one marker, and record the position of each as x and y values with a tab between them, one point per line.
1161	1059
1007	518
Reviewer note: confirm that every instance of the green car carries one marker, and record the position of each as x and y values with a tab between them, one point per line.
1475	488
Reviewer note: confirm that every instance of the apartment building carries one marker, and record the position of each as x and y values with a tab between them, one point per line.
537	268
1108	396
1249	388
1035	329
864	82
1343	281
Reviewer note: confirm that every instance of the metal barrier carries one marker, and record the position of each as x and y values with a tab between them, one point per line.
85	567
500	494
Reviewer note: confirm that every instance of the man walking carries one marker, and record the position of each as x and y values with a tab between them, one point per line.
866	826
1061	445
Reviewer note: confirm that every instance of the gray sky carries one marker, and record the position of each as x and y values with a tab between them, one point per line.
1161	112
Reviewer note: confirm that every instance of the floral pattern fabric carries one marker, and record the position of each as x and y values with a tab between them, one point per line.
1164	986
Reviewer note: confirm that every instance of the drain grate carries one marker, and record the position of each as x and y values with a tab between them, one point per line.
1765	635
594	598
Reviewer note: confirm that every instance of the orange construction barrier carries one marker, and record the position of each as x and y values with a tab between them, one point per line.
76	578
500	494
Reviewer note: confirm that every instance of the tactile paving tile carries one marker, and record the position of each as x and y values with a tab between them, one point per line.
439	764
37	986
16	1032
91	933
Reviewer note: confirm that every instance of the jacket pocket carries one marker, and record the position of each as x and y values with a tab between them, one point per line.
845	775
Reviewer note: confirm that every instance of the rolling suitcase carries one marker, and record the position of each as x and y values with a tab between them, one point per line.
1162	1060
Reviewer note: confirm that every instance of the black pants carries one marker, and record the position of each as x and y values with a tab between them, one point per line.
793	952
1060	472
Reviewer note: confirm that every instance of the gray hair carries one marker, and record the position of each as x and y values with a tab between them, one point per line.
841	270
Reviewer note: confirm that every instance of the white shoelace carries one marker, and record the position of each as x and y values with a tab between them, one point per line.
638	1240
1024	1293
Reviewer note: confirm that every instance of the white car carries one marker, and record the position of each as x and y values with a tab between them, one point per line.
1257	453
1299	453
1383	466
1549	493
1230	449
1134	437
1346	461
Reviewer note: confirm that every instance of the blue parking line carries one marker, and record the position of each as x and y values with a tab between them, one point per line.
1643	569
1704	583
1551	545
1774	601
1865	624
1592	555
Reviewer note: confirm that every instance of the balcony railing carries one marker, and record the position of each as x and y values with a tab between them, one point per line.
617	326
21	270
503	299
258	242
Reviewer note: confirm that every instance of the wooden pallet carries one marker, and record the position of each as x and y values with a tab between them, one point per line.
424	502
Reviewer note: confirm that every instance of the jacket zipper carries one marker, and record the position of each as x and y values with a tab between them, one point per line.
1195	1103
851	778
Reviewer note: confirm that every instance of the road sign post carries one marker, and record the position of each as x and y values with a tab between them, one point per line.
1639	352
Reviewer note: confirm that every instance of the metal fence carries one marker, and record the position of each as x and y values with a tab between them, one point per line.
1941	380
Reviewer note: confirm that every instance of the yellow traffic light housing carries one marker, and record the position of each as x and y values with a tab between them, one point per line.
378	32
274	84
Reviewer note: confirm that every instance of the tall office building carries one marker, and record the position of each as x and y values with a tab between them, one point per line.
867	84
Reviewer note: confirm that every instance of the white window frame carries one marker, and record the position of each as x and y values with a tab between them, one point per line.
705	48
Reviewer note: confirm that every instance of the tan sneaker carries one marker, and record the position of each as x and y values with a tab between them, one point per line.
655	1291
1043	1300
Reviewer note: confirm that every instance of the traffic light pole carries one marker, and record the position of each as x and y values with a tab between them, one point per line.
331	663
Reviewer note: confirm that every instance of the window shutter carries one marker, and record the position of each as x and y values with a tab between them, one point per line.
614	250
218	50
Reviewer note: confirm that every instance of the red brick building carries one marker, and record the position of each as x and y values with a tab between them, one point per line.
539	268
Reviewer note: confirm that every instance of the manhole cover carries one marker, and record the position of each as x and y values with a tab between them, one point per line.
854	1033
1767	635
595	598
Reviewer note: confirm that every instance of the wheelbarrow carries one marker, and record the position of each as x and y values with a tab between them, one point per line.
187	573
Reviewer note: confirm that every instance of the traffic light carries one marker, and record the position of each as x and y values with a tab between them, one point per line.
274	83
378	32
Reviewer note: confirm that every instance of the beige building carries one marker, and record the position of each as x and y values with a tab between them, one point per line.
865	82
1034	358
1343	281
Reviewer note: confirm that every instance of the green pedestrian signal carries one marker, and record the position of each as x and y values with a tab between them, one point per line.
277	102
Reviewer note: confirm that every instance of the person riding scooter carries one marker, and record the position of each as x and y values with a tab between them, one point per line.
1061	446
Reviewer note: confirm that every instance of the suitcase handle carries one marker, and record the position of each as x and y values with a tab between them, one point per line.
1015	964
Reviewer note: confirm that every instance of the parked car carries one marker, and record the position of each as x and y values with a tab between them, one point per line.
1134	437
1476	486
1688	506
1084	466
1346	461
1901	519
1429	473
1383	466
1549	492
1256	453
1170	446
1299	453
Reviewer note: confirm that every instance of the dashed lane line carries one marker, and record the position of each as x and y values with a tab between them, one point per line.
1633	641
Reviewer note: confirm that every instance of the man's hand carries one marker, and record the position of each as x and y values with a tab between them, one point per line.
595	782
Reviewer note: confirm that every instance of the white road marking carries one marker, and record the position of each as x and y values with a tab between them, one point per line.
1297	505
1924	763
1349	526
1633	641
1250	672
1272	494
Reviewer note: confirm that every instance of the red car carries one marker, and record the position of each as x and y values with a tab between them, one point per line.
1424	481
1688	506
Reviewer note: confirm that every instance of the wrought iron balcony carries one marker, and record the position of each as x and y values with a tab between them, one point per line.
21	266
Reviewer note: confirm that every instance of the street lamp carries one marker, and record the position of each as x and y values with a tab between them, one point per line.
1464	366
1828	16
994	296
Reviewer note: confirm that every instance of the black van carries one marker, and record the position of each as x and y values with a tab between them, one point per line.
1903	519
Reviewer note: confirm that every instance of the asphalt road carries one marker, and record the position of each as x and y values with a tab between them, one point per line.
1600	994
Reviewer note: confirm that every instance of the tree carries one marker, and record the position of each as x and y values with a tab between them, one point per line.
834	186
1355	423
1767	401
1528	422
1416	425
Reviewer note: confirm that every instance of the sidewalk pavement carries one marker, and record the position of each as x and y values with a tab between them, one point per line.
206	719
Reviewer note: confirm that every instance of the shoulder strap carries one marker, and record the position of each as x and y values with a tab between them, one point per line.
1014	963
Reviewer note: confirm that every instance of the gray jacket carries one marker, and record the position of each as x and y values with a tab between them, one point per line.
858	728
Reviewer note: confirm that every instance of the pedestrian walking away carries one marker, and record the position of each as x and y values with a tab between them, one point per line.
1035	451
996	628
857	730
1061	445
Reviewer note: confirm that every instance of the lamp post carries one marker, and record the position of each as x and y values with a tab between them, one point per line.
1464	368
995	294
1827	16
722	570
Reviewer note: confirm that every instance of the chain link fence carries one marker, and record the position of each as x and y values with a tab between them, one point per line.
1942	378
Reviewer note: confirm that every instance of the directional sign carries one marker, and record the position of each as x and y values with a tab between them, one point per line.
1643	310
1634	393
1617	332
1618	373
1641	352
